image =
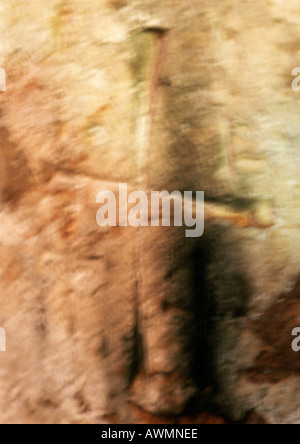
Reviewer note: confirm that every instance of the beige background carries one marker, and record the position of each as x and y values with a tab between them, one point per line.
125	325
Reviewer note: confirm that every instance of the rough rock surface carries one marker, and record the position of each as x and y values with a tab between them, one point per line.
138	325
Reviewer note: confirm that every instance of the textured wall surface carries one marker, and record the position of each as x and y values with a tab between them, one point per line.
141	324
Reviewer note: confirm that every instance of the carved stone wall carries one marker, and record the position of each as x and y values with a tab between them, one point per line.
138	325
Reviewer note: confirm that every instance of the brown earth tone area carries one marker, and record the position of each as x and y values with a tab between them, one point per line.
278	361
143	325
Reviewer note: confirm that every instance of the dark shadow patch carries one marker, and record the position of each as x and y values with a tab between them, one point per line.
15	172
135	351
220	291
277	361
